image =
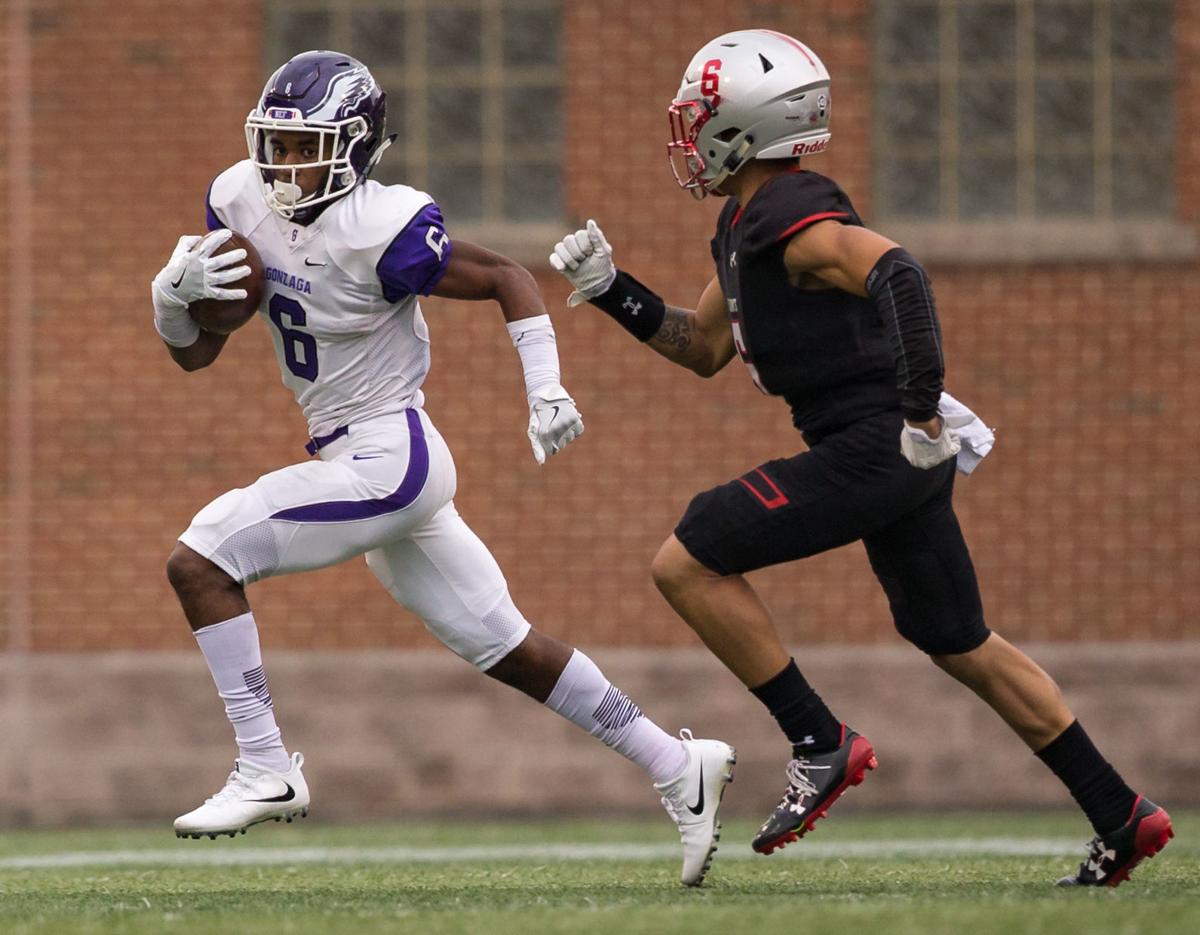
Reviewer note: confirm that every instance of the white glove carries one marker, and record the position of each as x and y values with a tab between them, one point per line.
973	433
554	422
924	452
194	273
585	258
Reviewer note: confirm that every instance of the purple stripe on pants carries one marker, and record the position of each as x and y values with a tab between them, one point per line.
340	511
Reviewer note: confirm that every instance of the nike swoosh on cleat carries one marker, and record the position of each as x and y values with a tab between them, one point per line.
285	797
699	806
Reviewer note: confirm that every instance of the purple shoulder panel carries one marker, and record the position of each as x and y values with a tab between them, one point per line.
214	222
416	259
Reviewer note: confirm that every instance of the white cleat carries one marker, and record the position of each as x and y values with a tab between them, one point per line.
251	795
693	800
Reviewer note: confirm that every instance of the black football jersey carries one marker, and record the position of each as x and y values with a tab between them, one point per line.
825	351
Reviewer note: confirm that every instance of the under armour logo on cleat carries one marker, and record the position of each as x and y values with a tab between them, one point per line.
1096	865
631	306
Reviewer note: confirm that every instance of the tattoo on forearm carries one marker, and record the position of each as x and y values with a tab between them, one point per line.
676	330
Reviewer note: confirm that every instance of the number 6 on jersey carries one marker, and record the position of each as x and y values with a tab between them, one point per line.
299	347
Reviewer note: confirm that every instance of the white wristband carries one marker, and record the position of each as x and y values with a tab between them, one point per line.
172	321
534	340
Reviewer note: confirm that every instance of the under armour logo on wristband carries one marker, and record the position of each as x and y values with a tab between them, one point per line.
631	306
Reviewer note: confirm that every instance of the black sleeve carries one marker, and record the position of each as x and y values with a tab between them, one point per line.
902	293
789	203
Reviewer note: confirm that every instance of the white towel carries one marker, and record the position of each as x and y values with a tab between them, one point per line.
976	438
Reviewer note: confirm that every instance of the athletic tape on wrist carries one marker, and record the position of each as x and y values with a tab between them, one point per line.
172	321
633	306
536	345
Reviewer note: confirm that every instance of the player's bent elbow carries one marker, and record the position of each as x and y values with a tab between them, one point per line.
190	364
513	279
709	364
201	353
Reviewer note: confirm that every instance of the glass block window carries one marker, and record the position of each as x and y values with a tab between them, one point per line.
473	91
992	110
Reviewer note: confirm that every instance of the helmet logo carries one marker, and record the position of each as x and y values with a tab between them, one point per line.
710	81
284	113
808	148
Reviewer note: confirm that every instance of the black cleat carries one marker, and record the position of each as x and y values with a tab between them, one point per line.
1112	857
814	784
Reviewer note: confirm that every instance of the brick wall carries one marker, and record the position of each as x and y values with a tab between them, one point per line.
400	734
1084	523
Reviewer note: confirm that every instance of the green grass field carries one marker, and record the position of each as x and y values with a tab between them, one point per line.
975	874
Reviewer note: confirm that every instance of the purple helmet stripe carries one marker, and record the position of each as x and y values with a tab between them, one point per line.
342	511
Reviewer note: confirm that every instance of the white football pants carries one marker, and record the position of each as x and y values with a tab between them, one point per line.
384	490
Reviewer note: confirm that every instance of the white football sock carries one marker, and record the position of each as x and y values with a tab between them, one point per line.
585	697
232	652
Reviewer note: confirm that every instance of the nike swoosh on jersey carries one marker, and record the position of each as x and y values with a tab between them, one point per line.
364	457
699	806
283	797
308	262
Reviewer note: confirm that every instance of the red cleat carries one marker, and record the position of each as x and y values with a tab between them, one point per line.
814	784
1112	857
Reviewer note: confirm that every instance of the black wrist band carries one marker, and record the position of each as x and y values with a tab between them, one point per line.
632	306
917	415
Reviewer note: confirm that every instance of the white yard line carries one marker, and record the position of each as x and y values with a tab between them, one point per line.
205	853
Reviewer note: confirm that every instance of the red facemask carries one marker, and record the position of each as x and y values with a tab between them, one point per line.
686	119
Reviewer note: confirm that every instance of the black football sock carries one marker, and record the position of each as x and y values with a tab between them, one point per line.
1091	779
802	715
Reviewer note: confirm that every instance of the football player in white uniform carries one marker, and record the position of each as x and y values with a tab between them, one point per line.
345	261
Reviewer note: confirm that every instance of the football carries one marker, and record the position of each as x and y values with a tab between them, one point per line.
226	316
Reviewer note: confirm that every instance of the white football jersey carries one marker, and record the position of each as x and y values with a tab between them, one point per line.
341	293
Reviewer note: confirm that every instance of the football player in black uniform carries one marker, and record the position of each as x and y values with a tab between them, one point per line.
840	322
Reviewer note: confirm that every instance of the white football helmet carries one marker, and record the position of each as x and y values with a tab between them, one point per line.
750	94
